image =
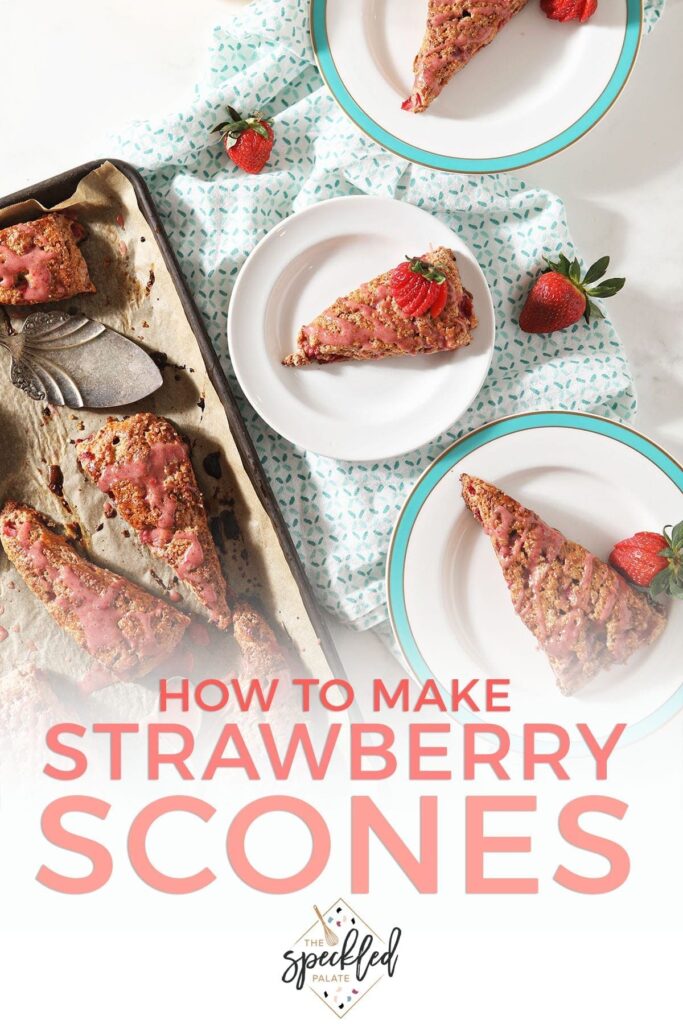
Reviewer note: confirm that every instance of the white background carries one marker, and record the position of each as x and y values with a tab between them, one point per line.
74	73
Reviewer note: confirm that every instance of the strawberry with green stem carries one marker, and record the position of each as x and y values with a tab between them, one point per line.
248	141
560	296
653	561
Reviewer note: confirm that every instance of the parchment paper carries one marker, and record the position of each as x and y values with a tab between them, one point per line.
136	296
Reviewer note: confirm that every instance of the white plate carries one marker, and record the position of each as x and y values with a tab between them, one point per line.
353	411
537	88
597	482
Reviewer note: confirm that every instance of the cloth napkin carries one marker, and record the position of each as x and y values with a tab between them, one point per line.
341	515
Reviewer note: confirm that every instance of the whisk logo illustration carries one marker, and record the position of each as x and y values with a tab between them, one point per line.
340	957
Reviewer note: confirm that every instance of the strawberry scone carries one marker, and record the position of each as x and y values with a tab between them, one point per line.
585	617
418	308
262	655
456	31
28	708
40	261
120	625
144	467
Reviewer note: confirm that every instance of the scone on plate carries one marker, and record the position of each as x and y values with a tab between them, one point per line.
262	655
456	31
584	615
417	308
144	467
40	261
118	623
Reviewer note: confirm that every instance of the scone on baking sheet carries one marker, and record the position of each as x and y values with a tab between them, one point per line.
263	658
369	323
144	467
262	654
456	31
28	708
40	262
585	617
118	623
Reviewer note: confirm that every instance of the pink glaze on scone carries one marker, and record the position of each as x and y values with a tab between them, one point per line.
40	261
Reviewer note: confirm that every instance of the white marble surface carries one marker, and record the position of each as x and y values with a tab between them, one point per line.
621	184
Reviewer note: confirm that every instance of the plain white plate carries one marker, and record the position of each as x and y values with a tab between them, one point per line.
352	411
594	480
537	88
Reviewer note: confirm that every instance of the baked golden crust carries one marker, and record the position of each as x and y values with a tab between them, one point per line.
262	655
145	468
584	615
120	625
28	704
28	708
369	324
456	31
40	262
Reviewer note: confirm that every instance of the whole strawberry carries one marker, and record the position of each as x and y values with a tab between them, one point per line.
652	560
560	297
569	10
419	288
248	141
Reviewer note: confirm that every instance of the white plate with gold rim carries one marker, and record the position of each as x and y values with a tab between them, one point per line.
538	88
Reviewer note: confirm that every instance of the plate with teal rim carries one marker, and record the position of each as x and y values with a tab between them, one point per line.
595	480
535	90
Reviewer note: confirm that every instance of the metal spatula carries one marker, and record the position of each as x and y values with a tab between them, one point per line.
77	362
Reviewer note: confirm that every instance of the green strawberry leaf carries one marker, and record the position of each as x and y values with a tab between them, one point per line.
660	583
258	128
426	270
677	535
593	312
597	270
608	288
575	272
562	266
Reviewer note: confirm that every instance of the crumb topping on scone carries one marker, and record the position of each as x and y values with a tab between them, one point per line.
118	623
456	31
144	467
584	615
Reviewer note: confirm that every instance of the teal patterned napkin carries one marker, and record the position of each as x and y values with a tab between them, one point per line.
340	514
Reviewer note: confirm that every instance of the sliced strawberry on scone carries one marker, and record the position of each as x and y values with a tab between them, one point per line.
569	10
419	307
585	617
653	561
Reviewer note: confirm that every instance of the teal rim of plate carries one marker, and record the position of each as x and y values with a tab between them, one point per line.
512	162
441	466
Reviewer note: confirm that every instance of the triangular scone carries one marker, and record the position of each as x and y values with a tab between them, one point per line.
262	654
369	324
118	623
584	615
28	708
144	467
456	31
